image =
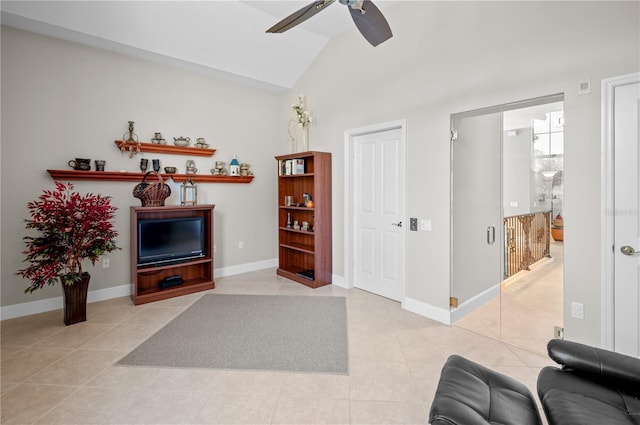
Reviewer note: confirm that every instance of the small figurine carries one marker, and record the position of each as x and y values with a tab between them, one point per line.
234	167
307	200
191	167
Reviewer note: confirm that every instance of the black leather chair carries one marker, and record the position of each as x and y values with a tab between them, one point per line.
592	386
471	394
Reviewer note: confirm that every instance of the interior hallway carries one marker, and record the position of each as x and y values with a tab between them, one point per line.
528	308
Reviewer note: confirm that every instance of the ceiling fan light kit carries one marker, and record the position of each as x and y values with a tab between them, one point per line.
367	17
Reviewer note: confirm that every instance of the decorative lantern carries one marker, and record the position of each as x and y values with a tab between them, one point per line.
189	192
234	167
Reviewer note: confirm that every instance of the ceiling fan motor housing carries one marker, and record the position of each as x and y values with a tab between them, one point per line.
355	4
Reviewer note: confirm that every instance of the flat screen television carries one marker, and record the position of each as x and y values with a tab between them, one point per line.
170	239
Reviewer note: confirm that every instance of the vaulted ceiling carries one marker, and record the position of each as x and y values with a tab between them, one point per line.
225	37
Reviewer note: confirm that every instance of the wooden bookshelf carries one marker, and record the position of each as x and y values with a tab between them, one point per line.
300	250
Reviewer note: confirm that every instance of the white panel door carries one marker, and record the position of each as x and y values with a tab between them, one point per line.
626	130
379	250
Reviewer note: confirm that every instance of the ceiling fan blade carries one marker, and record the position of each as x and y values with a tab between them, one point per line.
300	16
371	24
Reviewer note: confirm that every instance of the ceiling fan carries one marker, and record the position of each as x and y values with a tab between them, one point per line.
367	17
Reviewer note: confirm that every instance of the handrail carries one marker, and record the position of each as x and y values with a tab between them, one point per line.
527	241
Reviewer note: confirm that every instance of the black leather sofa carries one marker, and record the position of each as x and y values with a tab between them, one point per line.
590	386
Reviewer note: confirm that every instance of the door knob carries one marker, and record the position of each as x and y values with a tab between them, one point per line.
397	224
628	250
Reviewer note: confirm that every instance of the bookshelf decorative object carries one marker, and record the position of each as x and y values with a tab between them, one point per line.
67	175
304	221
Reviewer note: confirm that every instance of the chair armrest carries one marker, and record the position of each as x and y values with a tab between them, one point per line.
597	363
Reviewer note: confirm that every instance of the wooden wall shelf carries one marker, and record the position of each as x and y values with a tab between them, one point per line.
168	149
210	178
137	177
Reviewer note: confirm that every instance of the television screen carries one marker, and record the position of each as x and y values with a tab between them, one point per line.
175	239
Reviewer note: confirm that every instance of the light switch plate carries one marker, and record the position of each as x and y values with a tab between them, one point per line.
425	224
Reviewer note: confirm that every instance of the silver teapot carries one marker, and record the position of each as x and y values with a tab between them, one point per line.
181	141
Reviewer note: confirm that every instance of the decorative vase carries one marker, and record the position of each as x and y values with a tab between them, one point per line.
75	300
292	145
557	233
305	138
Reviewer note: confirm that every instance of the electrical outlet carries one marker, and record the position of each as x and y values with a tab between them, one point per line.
577	310
241	245
214	248
106	263
558	332
413	224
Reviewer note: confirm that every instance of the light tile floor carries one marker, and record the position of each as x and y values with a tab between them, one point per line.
528	308
54	374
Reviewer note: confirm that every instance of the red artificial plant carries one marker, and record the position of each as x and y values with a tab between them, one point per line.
71	227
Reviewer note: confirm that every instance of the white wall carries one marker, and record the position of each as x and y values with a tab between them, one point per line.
449	57
61	100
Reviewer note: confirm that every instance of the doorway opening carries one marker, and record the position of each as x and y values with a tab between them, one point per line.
523	306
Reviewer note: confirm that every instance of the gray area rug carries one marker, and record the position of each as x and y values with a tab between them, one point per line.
254	332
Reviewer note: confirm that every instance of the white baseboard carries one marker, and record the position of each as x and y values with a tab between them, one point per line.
32	307
418	307
427	310
49	304
339	281
245	268
106	294
446	316
475	302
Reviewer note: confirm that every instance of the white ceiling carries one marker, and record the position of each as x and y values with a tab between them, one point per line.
225	37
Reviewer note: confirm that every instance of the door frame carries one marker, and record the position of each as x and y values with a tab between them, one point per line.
607	215
456	313
349	179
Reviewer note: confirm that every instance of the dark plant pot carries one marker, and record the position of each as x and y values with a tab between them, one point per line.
75	300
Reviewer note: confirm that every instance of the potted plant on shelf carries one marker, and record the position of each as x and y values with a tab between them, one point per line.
71	228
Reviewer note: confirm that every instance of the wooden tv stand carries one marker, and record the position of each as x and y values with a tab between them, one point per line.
197	274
